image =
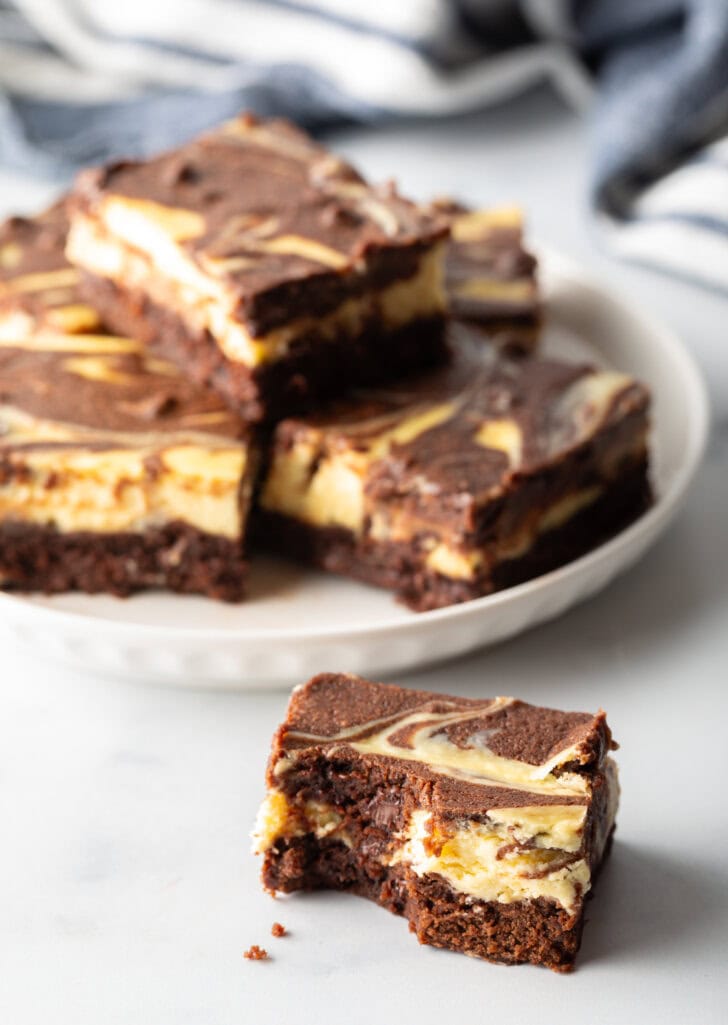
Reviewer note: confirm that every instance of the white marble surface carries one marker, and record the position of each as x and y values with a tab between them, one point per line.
126	891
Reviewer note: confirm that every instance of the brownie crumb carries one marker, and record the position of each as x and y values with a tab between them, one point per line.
278	930
255	953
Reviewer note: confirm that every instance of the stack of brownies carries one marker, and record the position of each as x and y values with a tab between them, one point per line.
243	341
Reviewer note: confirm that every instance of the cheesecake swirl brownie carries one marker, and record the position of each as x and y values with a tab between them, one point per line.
490	278
263	265
116	473
463	481
483	822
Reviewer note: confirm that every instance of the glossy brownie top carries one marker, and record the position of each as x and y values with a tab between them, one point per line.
270	215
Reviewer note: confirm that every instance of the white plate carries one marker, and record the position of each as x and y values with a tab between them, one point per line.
299	622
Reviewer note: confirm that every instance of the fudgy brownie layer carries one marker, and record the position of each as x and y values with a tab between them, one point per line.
311	372
529	931
175	557
400	567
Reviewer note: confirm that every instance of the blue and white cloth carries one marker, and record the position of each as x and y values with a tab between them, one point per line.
83	80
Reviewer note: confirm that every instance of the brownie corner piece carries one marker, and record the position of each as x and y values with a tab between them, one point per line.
265	266
482	822
116	473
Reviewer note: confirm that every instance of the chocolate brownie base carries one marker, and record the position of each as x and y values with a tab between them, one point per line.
310	373
400	567
532	931
175	557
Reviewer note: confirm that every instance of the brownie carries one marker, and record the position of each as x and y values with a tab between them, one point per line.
263	265
464	480
490	277
483	822
116	472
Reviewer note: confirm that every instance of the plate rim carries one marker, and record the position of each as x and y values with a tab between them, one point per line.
651	522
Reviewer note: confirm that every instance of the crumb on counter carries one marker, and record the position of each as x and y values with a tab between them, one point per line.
255	953
278	930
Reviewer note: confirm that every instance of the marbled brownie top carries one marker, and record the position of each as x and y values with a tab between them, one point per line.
272	218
